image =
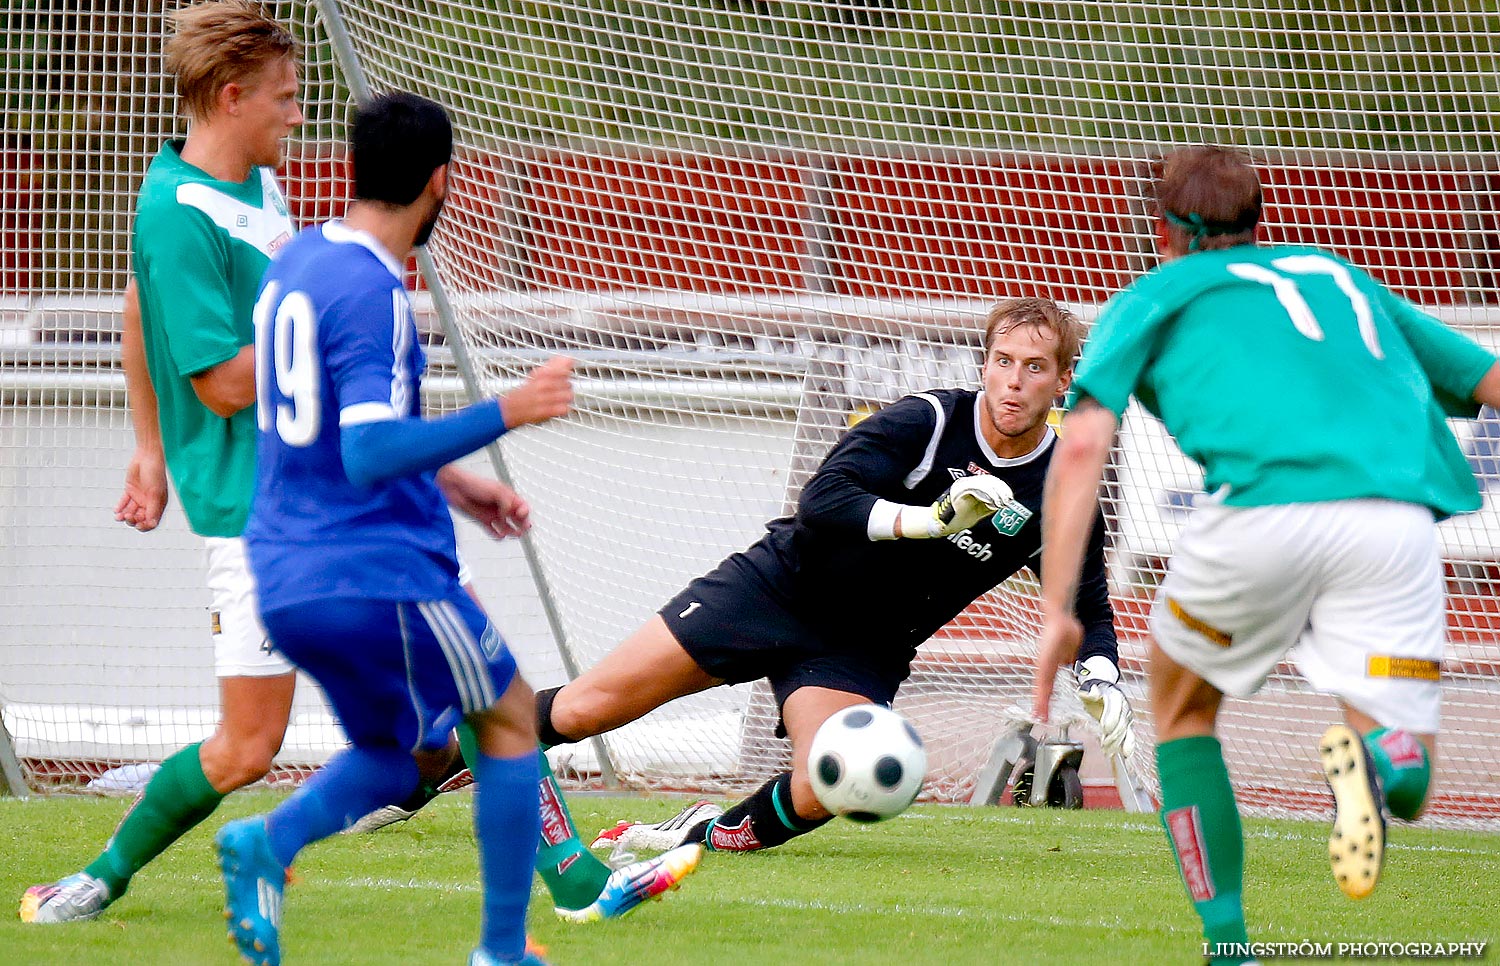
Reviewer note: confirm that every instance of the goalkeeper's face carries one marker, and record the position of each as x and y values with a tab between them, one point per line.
1022	378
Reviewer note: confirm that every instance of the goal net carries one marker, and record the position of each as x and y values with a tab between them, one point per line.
751	223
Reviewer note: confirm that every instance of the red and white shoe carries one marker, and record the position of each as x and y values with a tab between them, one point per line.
630	838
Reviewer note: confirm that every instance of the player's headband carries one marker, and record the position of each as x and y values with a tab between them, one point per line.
1200	229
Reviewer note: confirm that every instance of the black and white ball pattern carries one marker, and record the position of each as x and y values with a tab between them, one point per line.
867	763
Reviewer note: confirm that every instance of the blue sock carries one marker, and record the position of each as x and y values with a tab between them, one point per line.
508	824
355	782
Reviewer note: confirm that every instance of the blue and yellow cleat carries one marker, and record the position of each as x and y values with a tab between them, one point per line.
253	886
1356	847
628	887
532	957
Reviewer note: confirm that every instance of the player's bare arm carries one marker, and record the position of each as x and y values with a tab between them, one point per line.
493	505
229	386
1487	393
1069	504
145	496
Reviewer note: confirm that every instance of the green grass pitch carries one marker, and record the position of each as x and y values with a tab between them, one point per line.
938	885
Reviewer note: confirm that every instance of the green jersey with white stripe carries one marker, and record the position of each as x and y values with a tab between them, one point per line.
1292	377
201	246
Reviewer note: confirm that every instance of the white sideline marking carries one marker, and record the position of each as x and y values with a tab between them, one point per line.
1313	832
1319	834
954	912
365	882
840	908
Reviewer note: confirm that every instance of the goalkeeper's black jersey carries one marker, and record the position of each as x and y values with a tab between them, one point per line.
889	596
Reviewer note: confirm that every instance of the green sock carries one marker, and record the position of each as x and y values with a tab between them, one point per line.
571	873
468	745
1203	828
177	798
1404	769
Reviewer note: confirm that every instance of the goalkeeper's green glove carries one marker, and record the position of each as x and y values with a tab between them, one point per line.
1099	691
967	502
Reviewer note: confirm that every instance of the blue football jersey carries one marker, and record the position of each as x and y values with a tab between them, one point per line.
336	345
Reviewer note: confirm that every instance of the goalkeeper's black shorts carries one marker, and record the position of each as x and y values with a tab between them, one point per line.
735	630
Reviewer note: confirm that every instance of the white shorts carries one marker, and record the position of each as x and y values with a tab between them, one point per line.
1356	585
241	647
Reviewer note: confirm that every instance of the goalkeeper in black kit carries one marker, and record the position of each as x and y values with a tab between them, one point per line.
915	513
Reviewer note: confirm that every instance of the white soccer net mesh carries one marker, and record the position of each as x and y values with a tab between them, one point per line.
750	222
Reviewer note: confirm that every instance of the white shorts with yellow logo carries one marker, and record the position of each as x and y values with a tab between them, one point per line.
241	647
1356	585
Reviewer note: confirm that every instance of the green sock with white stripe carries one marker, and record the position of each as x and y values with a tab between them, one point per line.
764	820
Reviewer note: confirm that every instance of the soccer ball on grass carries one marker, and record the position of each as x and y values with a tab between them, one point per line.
866	763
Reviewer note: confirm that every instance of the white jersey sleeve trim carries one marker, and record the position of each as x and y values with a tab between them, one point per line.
923	468
882	522
358	414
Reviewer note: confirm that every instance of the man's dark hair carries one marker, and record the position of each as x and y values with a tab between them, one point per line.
397	141
1210	196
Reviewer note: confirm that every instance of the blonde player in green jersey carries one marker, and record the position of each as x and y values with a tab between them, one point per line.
209	217
1315	400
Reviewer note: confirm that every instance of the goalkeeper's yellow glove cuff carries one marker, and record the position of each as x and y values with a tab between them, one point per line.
918	522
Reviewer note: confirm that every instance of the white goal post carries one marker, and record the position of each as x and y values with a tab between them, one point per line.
751	223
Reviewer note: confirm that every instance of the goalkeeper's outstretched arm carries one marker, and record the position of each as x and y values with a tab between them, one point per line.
967	502
1091	603
877	456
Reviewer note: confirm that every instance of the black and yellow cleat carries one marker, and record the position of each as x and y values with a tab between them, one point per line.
1356	848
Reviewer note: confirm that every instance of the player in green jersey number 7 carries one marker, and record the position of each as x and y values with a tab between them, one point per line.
1314	398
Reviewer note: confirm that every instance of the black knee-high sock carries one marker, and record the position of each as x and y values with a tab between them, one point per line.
546	735
764	820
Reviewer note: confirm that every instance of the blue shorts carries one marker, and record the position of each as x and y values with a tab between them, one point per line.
396	672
